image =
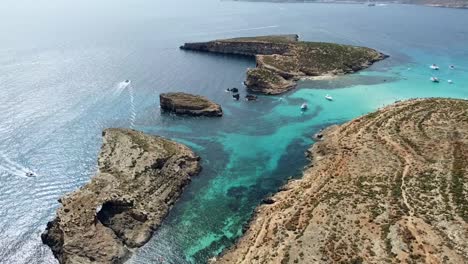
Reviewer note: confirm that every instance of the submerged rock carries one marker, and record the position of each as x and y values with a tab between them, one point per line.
139	179
386	187
189	104
282	59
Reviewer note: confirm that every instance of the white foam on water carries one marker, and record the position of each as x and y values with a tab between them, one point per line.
132	107
14	168
120	87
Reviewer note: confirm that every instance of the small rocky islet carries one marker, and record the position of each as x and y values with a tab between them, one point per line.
139	179
282	60
189	104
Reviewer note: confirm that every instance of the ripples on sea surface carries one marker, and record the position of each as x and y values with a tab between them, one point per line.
61	70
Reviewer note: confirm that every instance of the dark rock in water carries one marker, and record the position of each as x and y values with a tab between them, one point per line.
234	90
188	104
139	179
283	59
236	97
268	200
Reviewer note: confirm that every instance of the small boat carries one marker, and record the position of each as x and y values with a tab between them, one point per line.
251	97
450	81
434	79
236	96
304	106
328	97
30	174
127	81
452	67
434	67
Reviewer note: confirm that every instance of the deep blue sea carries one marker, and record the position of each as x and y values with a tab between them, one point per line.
62	64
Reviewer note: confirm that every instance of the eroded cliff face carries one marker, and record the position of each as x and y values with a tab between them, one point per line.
389	187
282	59
139	179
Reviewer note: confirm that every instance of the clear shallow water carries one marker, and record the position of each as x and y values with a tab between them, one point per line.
61	68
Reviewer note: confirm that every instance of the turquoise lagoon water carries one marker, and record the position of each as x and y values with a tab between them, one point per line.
61	71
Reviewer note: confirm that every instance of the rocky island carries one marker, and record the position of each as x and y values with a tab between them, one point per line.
139	179
188	104
389	187
282	60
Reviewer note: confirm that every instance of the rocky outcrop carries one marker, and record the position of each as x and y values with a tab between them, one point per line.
389	187
188	104
283	59
139	179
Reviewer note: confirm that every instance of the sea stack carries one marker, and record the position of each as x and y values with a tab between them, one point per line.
189	104
282	60
139	179
388	187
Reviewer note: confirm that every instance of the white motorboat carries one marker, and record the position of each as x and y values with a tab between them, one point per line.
434	67
30	174
450	81
304	106
434	79
328	97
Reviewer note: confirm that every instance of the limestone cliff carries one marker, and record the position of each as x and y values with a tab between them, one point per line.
139	179
283	59
389	187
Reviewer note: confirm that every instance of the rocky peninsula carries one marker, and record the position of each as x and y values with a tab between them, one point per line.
188	104
388	187
139	179
282	60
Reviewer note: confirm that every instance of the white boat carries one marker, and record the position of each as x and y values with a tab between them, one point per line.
30	174
434	67
434	79
452	67
304	106
450	81
328	97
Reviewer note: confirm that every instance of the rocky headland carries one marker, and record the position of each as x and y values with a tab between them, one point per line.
188	104
282	60
139	179
388	187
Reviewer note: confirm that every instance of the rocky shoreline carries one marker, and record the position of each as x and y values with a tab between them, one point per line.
410	208
282	60
188	104
139	179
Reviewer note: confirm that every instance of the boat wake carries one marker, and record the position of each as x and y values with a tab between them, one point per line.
14	168
132	107
121	86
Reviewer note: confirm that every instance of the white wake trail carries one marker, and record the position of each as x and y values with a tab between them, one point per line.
132	107
12	167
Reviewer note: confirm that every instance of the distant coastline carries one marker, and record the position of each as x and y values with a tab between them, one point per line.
460	4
